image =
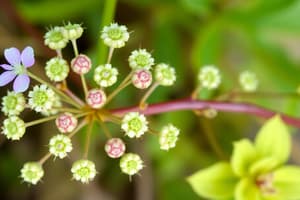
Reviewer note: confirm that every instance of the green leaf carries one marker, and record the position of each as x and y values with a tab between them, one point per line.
247	190
216	182
263	166
273	140
287	182
244	154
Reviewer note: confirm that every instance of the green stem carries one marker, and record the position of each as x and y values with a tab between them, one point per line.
45	158
79	127
147	94
39	121
117	90
107	18
88	139
74	44
111	51
84	85
104	127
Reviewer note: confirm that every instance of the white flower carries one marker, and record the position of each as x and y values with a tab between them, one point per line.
115	35
60	145
84	171
168	137
164	74
96	98
55	39
105	75
13	103
131	164
248	81
134	124
115	147
72	31
140	59
13	128
141	78
209	77
57	69
32	172
56	104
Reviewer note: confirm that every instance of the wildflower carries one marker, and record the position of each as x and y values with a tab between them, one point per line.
13	128
81	64
164	74
32	172
140	59
13	103
60	145
248	81
96	98
72	31
105	75
55	39
134	124
66	122
57	69
83	170
168	137
17	68
115	147
209	77
142	78
55	108
114	35
131	164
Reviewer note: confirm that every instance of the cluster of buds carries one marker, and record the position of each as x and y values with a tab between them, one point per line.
72	113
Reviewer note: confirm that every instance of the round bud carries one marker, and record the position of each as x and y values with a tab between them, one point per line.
96	98
66	122
114	35
60	146
134	124
13	128
131	164
32	172
115	147
248	81
13	103
81	64
209	77
57	69
142	78
55	39
105	75
83	170
168	137
164	74
72	31
140	59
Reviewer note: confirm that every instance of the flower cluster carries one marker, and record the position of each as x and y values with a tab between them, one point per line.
71	113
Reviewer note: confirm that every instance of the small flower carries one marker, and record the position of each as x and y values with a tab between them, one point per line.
32	172
56	104
41	98
83	170
105	75
114	35
96	98
55	39
17	68
115	147
72	31
134	124
248	81
165	75
66	122
60	145
141	78
131	164
168	137
13	103
81	64
13	128
209	77
140	59
57	69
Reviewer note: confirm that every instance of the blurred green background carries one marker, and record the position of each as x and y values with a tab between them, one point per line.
258	35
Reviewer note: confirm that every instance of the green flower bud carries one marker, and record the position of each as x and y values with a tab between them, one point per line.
209	77
131	164
55	39
134	124
57	69
13	103
32	172
140	59
60	145
164	74
168	137
248	81
13	128
114	35
84	171
72	31
105	75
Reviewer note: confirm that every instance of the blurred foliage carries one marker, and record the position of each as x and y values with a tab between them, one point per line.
259	35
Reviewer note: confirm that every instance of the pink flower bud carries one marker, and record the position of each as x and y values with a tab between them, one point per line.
81	64
142	78
66	123
115	147
96	98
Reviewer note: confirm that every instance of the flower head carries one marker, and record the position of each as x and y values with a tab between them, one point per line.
141	78
55	108
96	98
140	59
60	145
32	172
115	147
105	75
72	31
131	164
134	124
209	77
81	64
168	137
164	74
84	171
17	68
66	122
57	69
55	38
248	81
114	35
13	103
13	128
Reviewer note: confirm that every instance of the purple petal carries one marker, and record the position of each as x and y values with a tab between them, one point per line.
12	55
21	83
6	77
27	57
6	67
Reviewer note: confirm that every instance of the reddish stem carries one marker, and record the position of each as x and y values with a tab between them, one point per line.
190	104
